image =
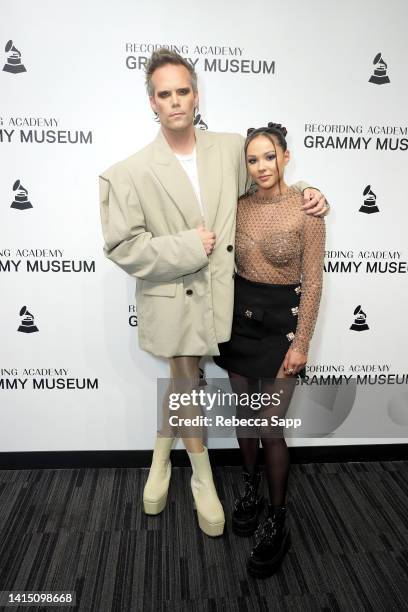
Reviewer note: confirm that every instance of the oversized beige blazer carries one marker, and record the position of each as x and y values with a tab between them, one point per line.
149	213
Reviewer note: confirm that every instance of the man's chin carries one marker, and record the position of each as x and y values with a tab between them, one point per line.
180	127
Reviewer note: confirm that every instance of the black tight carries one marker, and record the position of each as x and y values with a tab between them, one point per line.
276	468
275	449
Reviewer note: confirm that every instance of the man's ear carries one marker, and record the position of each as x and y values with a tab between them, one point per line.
153	103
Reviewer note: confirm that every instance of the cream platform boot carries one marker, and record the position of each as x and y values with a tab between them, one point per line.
209	509
157	485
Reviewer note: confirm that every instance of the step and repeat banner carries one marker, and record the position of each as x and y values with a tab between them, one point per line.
73	102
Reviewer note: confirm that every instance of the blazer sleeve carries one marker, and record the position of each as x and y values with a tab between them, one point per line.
301	186
131	246
244	180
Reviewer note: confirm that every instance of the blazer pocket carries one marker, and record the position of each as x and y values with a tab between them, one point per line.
163	289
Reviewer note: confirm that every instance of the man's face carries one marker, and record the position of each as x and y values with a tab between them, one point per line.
173	100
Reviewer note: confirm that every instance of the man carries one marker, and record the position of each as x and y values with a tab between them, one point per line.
168	218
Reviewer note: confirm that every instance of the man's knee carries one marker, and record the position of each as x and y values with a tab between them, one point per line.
185	373
184	367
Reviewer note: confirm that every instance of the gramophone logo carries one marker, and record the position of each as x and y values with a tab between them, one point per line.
21	201
199	122
27	325
379	77
369	205
359	320
13	62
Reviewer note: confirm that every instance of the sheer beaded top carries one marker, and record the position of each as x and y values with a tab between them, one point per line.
277	243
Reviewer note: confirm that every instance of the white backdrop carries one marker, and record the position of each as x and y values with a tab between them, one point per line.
82	83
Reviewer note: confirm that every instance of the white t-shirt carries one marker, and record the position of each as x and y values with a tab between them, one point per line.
189	163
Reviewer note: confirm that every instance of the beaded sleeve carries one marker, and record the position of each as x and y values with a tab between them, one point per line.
313	240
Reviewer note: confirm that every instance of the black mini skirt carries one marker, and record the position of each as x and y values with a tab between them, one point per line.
263	327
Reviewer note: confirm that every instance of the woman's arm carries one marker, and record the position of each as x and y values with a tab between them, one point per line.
313	239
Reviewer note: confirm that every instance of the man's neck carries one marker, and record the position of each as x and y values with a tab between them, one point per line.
183	142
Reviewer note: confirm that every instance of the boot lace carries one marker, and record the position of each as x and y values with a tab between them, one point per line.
266	531
249	497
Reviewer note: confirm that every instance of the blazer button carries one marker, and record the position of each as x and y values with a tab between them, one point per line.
230	247
189	292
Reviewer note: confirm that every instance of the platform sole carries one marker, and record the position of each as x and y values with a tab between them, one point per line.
264	569
213	530
248	528
155	507
244	532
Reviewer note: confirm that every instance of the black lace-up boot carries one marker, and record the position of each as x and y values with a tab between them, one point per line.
272	541
248	507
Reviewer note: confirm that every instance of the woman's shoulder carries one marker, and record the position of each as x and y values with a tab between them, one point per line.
249	193
294	194
291	195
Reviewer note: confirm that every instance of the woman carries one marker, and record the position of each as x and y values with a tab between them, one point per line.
279	259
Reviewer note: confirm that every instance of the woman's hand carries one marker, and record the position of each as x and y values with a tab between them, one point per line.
294	362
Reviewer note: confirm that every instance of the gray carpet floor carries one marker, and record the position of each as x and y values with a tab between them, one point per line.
83	530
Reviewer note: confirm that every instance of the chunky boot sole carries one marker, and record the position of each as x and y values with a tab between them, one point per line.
247	528
152	504
263	569
157	485
211	529
155	507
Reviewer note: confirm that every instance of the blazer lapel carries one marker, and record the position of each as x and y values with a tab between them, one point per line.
209	174
175	181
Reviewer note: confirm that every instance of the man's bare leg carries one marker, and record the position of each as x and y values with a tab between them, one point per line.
185	377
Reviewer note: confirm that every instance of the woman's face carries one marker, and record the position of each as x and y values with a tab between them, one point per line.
266	161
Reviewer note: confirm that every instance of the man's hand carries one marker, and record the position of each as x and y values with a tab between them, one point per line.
294	362
207	238
315	203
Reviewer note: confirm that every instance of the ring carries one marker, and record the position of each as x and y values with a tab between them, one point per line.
290	370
